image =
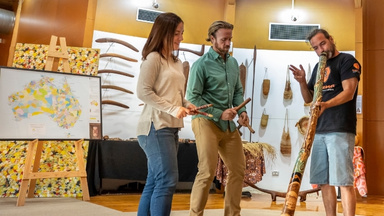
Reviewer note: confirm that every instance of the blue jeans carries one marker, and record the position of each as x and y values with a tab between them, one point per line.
160	148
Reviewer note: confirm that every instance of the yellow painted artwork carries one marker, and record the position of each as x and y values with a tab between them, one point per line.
33	56
56	156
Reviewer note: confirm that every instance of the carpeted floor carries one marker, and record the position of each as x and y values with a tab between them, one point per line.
54	206
72	206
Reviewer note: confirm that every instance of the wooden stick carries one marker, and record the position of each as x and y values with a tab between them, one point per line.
204	113
203	107
239	107
250	128
253	85
243	104
118	56
238	128
114	40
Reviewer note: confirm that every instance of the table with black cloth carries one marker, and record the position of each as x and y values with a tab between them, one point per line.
126	160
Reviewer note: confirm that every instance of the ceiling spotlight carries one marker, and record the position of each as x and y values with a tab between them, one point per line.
293	18
155	4
293	12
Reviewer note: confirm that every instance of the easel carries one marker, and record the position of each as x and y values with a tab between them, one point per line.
31	173
53	53
35	147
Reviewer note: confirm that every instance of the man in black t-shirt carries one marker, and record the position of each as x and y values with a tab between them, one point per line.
333	145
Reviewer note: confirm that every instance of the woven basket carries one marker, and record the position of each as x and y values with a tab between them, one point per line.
285	144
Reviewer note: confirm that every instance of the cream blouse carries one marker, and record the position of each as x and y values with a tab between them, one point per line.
161	88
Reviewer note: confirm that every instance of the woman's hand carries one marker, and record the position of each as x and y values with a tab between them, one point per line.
182	112
192	109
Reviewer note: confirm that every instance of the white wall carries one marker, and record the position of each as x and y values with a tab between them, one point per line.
121	123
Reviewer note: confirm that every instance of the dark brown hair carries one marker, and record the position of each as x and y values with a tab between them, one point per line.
215	26
161	36
315	32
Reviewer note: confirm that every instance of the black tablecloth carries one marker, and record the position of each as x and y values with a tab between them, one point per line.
126	160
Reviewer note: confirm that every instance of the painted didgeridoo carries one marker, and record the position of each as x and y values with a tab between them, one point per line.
298	170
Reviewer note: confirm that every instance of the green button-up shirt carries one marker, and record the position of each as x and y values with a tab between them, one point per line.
215	81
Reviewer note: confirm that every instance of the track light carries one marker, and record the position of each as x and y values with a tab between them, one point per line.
155	4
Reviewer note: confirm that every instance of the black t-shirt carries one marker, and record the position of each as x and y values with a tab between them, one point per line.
341	118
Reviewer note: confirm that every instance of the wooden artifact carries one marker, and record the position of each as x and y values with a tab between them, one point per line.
203	106
239	107
253	84
114	40
115	72
199	53
114	103
116	88
298	170
186	74
112	55
243	75
274	194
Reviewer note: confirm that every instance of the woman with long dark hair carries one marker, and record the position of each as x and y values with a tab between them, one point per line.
161	88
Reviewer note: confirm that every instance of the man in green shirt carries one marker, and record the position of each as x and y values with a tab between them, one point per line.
214	79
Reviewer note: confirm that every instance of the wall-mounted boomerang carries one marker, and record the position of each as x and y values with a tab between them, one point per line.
115	72
114	40
199	53
112	102
243	76
186	74
117	56
116	88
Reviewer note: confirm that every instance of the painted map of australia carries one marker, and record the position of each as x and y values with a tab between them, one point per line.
43	97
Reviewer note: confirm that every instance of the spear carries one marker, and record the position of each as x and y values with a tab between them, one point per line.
298	170
253	86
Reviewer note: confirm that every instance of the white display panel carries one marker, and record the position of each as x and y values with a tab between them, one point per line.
38	104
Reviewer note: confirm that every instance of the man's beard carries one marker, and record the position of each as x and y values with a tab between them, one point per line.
221	51
331	51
